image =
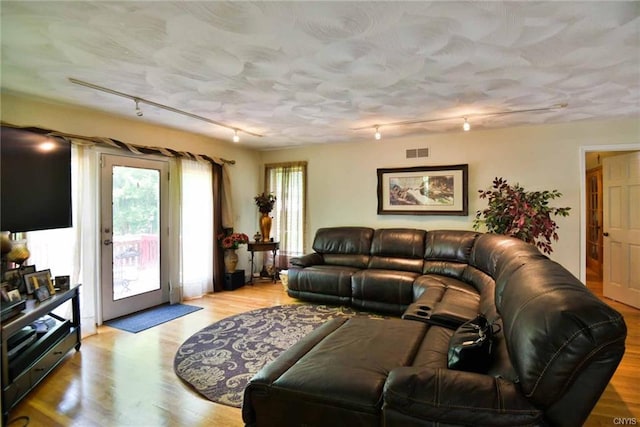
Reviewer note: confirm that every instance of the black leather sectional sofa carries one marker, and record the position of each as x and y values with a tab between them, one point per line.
558	347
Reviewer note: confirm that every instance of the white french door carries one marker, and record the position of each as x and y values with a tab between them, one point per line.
134	195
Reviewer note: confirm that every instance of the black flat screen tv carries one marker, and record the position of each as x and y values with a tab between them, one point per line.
35	181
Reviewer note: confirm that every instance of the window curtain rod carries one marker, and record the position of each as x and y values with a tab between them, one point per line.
134	148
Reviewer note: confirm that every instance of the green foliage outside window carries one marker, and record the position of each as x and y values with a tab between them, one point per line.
136	201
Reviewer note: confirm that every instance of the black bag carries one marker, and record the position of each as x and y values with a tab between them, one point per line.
471	345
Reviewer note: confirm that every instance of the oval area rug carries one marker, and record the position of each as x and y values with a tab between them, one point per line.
219	360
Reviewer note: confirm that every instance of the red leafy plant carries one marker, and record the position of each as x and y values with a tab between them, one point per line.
525	215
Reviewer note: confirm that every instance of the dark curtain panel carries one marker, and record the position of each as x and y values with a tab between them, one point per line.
218	261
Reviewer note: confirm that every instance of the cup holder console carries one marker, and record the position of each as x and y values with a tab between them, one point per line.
418	312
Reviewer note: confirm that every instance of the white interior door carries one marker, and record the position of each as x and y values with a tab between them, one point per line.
621	217
134	192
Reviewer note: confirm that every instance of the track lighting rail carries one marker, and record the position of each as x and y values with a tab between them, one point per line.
139	100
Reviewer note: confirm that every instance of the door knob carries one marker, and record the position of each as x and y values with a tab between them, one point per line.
605	234
107	242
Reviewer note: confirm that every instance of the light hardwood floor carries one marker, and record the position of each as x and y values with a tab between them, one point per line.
123	379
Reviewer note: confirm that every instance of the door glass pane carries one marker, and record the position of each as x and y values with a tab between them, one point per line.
136	224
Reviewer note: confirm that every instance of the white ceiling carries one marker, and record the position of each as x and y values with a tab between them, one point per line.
310	72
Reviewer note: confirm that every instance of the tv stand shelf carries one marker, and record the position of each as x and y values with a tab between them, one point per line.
23	372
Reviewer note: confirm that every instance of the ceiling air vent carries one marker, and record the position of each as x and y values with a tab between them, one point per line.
414	153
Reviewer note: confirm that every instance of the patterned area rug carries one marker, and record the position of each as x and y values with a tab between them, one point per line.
219	360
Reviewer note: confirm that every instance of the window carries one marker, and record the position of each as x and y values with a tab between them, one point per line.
288	182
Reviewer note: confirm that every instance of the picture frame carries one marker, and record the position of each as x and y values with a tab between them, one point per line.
42	293
62	283
424	190
4	291
15	277
14	295
39	279
12	277
26	269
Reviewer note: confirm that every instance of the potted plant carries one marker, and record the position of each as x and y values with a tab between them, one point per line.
265	203
523	214
230	242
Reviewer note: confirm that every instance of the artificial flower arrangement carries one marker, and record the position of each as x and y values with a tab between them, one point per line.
233	240
265	202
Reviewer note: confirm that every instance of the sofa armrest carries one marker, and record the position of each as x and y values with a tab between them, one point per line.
454	397
307	260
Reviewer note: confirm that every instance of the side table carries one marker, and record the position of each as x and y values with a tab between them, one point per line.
263	247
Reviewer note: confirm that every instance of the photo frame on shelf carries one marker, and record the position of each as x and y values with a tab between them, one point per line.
14	295
4	291
42	293
26	269
12	277
39	279
15	277
62	283
424	190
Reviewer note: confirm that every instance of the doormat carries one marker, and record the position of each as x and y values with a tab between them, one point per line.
149	318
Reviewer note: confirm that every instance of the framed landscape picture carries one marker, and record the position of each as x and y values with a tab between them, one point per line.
423	190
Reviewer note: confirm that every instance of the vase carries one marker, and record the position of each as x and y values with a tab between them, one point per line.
230	260
265	226
19	252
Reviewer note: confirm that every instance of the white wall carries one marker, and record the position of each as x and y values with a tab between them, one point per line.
343	181
26	111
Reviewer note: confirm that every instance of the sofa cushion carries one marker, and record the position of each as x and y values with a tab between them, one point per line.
444	397
388	291
444	268
327	284
449	245
433	349
348	246
397	249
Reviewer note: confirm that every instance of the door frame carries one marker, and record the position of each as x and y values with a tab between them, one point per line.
590	174
583	195
165	289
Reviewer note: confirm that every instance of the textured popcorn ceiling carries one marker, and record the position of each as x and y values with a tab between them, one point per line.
310	72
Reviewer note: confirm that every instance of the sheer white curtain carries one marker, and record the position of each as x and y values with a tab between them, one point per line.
287	181
196	218
74	251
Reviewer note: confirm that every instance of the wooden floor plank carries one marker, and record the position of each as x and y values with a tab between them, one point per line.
123	379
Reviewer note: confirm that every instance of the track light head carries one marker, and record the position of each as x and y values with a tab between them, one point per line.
466	125
236	138
377	135
139	112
